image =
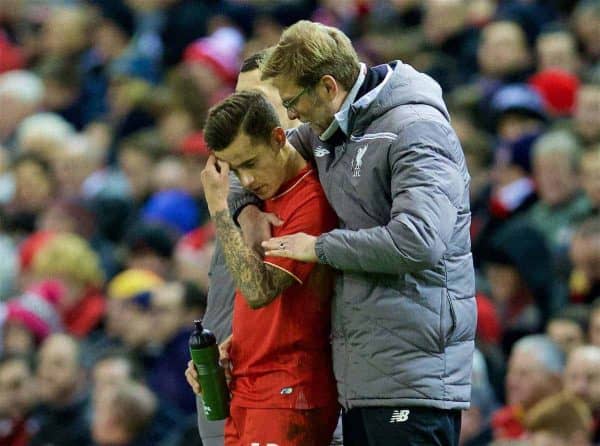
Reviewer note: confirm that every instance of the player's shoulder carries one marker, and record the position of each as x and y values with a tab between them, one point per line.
306	185
310	188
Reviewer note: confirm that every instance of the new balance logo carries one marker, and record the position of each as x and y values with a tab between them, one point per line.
320	152
399	416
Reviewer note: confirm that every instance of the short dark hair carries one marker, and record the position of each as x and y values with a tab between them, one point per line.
193	297
121	354
595	306
589	228
25	359
248	111
576	313
253	62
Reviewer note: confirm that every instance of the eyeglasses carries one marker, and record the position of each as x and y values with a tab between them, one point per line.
290	103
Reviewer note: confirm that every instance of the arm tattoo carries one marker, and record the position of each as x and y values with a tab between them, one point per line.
258	282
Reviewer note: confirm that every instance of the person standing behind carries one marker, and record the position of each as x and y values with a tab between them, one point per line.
283	390
404	314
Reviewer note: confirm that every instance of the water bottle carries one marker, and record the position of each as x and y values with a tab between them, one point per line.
211	376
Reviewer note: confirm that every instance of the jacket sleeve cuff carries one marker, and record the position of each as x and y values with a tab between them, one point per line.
239	203
320	250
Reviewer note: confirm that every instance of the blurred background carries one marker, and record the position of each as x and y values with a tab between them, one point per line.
105	240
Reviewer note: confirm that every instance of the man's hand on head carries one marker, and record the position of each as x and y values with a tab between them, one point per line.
215	179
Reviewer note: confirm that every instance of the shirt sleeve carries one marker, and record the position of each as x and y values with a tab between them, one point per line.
312	216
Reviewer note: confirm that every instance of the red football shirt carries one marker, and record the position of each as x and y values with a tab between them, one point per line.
281	354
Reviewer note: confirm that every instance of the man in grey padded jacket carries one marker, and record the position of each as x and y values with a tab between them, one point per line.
393	169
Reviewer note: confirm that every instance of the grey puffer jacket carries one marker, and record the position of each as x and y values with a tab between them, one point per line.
404	311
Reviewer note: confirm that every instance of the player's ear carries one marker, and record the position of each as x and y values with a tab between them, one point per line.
278	138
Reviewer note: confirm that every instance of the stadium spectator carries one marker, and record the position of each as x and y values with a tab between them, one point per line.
34	188
568	328
44	134
587	121
585	255
476	429
594	325
586	19
555	160
63	394
582	379
557	49
561	205
128	321
110	369
589	167
116	367
193	257
17	398
503	53
122	414
173	307
71	259
21	92
32	317
535	369
150	247
559	420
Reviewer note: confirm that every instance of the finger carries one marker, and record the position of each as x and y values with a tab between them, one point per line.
223	352
223	167
273	219
279	253
211	165
274	243
193	382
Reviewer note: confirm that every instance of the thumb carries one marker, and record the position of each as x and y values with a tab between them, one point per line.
223	351
273	219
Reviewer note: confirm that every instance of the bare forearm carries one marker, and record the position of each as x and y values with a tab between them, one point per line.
258	283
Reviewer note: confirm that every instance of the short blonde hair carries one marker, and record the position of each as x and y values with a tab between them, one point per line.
68	255
592	154
44	132
560	414
307	51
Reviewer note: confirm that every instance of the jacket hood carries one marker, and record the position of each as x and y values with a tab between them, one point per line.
403	85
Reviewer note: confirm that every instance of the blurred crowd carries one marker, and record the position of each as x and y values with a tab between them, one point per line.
105	243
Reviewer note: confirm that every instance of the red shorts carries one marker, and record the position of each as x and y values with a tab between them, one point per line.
280	427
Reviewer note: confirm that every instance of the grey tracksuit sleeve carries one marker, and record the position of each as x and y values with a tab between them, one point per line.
239	197
300	138
426	189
